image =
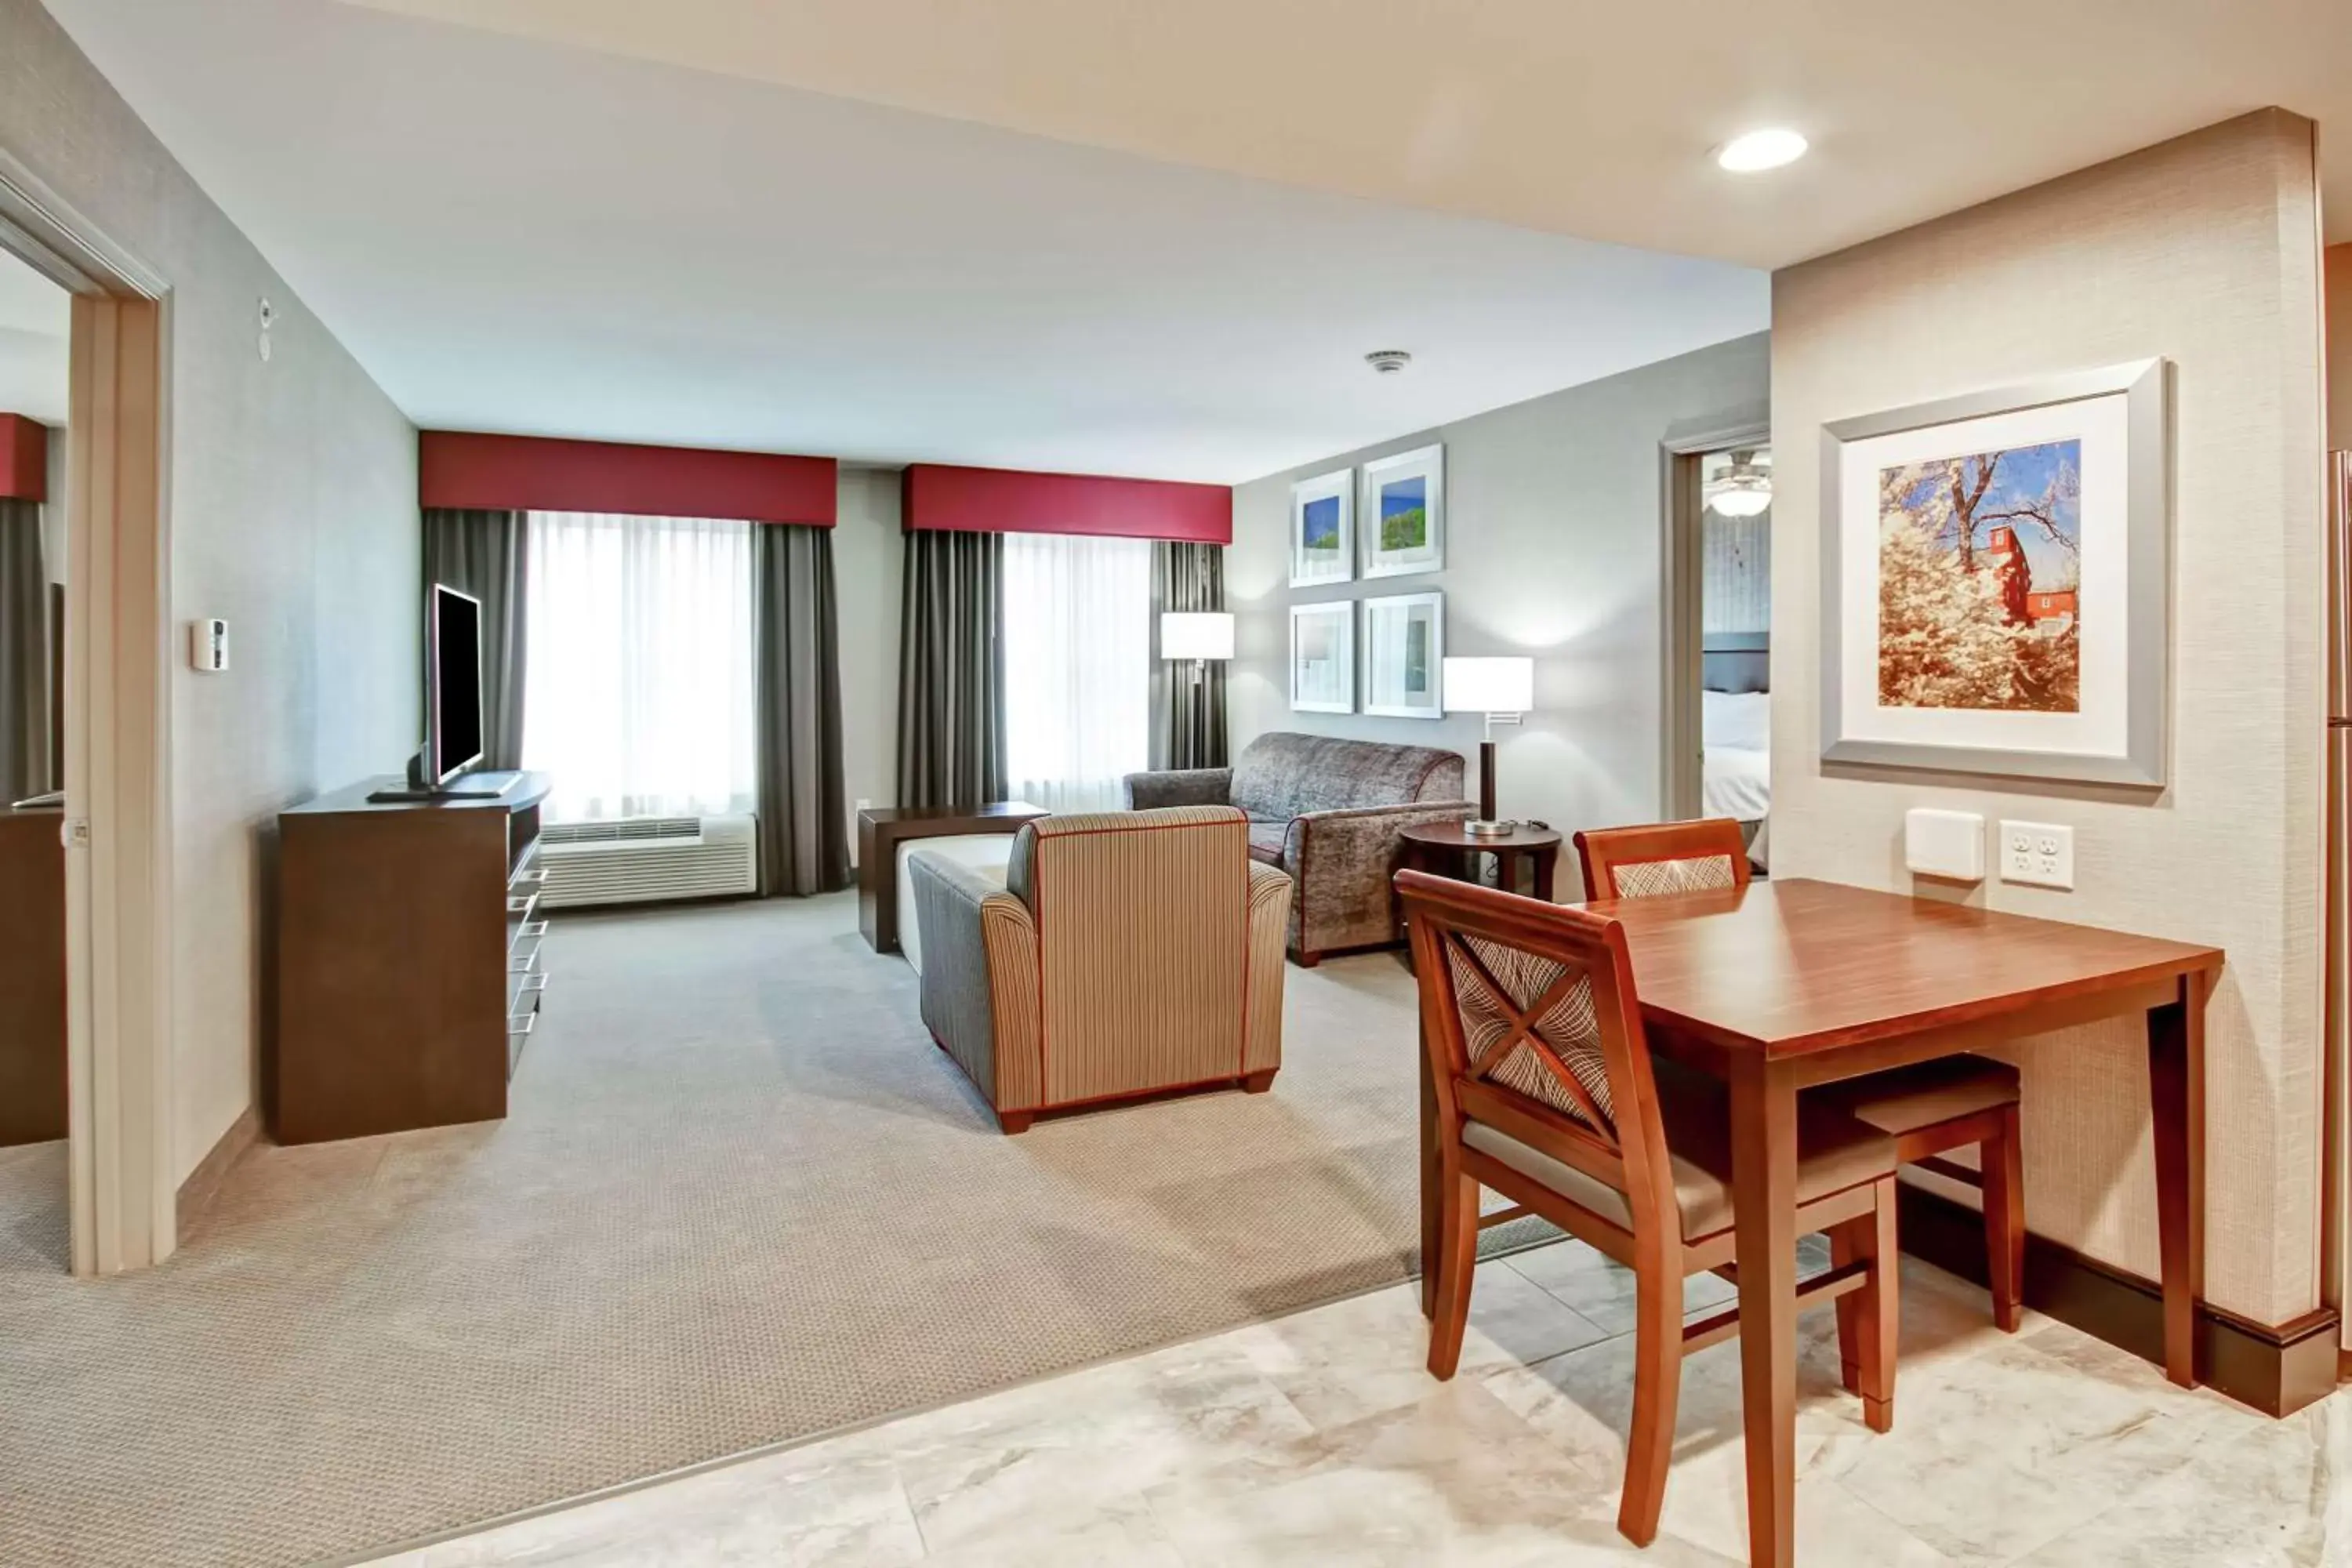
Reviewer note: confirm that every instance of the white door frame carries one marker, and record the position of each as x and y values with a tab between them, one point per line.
118	739
1681	608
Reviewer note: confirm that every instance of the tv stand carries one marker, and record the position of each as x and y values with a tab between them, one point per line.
408	967
487	785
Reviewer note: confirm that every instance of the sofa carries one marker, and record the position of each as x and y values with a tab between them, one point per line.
1328	811
1122	954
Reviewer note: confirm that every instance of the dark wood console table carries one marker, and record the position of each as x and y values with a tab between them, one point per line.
880	831
408	967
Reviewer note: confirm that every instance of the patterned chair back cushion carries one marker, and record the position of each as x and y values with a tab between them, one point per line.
1282	776
1142	933
1690	874
1662	858
1559	1059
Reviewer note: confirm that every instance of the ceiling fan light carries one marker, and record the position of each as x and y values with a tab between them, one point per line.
1741	501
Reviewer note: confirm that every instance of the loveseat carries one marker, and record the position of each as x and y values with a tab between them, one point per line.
1328	811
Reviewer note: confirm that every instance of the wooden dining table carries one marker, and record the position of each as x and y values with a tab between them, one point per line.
1789	983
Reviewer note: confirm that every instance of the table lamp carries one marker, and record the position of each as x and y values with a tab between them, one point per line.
1501	689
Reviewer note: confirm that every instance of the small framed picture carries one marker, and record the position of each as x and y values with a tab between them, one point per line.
1323	657
1404	654
1404	513
1323	529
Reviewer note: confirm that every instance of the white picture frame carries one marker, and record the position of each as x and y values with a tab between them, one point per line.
1401	513
2095	610
1323	657
1404	656
1323	529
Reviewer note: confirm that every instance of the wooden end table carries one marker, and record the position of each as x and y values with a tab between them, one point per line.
880	831
1445	850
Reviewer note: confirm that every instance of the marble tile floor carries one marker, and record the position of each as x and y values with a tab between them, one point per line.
1318	1439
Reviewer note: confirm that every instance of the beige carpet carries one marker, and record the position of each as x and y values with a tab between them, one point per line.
742	1198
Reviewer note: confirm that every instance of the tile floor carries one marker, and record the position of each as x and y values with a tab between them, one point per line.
1318	1438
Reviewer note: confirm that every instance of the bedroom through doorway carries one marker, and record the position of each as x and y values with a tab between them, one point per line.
1719	638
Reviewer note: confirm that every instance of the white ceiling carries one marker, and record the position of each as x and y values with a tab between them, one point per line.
517	235
1586	118
35	317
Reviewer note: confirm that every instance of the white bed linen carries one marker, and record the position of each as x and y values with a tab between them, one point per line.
1737	783
1735	779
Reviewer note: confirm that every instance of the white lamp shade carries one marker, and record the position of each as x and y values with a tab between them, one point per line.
1490	684
1196	633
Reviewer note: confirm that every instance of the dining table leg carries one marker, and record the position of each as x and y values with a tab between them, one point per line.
2176	1088
1764	1212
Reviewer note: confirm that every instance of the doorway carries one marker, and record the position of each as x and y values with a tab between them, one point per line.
111	734
36	365
1718	632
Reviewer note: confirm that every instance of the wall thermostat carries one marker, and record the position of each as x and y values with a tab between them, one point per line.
208	646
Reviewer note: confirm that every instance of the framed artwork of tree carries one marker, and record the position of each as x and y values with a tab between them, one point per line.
1994	581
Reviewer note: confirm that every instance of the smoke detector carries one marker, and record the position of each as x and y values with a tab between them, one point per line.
1387	362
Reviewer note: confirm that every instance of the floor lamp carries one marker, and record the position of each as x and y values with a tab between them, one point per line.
1501	689
1196	637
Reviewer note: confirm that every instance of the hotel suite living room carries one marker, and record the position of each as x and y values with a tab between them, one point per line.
878	785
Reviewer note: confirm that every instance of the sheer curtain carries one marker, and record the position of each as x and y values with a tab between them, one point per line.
1077	667
640	680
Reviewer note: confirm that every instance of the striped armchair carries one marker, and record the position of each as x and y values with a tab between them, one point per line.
1124	954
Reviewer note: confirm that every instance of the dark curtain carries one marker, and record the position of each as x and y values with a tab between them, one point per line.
1188	697
803	803
486	554
24	761
951	670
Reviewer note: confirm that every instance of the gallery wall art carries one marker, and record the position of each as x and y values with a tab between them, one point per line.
1404	513
1323	529
1323	657
1404	654
1995	581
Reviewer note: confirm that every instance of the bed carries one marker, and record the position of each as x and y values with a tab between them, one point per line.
1735	719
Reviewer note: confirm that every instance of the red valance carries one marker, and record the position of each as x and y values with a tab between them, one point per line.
23	458
1006	501
534	473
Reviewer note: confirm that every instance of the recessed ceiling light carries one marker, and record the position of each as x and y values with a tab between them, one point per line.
1767	149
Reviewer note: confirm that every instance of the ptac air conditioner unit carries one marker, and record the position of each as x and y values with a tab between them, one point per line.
647	859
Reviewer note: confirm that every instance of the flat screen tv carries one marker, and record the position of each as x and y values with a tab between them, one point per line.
453	666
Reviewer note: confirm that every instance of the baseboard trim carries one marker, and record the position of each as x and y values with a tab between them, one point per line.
203	1183
2277	1368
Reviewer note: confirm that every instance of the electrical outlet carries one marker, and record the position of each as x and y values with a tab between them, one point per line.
2038	854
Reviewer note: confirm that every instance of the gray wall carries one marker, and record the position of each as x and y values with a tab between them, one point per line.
2200	251
867	558
293	515
1554	548
53	510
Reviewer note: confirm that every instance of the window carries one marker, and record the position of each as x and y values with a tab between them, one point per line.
638	686
1077	667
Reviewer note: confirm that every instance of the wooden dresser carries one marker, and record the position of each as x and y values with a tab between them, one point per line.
32	977
408	962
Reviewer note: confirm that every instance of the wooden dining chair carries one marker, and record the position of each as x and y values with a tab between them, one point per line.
1546	1093
1930	1108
